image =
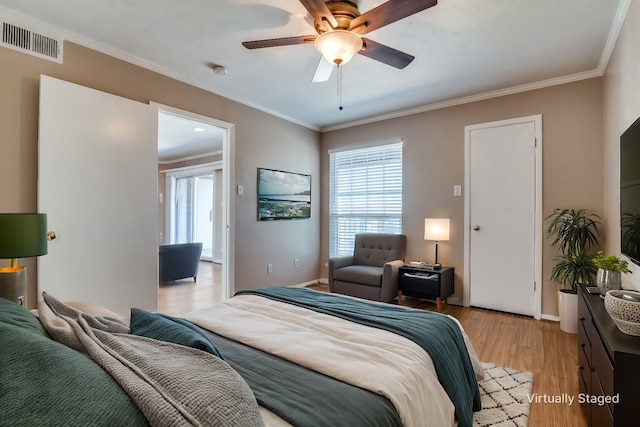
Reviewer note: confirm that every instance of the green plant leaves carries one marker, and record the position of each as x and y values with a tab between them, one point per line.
574	233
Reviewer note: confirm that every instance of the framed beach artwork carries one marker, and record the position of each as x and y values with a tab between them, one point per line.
283	195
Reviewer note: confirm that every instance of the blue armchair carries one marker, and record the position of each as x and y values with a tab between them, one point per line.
179	261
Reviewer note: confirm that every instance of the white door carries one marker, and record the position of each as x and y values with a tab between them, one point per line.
191	209
502	218
97	183
204	215
218	212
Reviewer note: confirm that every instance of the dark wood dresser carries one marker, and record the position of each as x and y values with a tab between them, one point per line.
608	367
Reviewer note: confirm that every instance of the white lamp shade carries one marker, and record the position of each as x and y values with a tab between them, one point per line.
436	229
338	46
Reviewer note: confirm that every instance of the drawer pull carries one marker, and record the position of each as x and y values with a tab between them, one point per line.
421	276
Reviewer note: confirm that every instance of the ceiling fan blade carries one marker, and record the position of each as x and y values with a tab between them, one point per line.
320	12
284	41
385	54
323	71
388	12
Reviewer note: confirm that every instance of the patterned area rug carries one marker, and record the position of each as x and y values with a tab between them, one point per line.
504	397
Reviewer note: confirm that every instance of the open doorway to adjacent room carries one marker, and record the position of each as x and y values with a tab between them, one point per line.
193	162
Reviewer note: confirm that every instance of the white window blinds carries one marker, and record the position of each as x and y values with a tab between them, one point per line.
365	194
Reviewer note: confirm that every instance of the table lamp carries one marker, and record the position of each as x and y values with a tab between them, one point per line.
21	236
436	229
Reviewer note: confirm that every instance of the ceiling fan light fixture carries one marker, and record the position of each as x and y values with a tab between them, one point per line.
338	46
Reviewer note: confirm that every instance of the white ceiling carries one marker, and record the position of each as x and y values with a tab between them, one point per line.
464	49
181	138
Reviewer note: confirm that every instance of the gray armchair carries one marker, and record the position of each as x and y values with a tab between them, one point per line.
372	271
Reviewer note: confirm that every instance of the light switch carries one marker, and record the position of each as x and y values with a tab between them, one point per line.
457	190
240	190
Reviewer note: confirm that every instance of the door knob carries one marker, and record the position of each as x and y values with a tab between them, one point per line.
51	235
476	227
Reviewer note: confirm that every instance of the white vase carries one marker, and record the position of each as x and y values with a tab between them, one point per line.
568	310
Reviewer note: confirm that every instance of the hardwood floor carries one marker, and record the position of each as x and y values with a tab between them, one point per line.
528	345
505	339
183	296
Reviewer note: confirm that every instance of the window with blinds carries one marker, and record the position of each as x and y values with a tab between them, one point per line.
365	194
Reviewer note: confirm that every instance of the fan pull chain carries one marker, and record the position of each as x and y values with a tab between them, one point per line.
340	87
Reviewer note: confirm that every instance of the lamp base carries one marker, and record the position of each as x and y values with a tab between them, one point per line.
13	284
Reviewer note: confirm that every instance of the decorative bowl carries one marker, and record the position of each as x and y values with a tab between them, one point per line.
629	328
624	308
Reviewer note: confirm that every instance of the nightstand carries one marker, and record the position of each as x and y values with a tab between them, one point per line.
426	283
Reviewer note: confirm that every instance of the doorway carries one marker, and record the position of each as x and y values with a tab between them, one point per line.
503	216
194	204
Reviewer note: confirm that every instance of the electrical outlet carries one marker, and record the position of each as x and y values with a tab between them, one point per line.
296	263
269	268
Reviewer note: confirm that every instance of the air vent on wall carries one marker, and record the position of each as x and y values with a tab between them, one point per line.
31	42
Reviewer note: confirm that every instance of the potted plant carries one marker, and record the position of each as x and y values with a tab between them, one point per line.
573	269
609	274
574	233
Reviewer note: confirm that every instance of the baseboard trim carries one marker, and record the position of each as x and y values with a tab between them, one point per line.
451	300
305	284
454	301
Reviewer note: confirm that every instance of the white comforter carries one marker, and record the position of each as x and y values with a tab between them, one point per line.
377	360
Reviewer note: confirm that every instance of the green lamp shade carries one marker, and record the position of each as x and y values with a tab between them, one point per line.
23	235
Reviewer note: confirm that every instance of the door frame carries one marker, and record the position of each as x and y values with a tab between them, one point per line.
228	206
538	221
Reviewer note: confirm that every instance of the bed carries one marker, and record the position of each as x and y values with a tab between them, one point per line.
275	356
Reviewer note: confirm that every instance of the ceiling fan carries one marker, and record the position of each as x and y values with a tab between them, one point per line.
340	26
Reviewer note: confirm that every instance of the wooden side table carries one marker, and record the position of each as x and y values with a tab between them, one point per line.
426	283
